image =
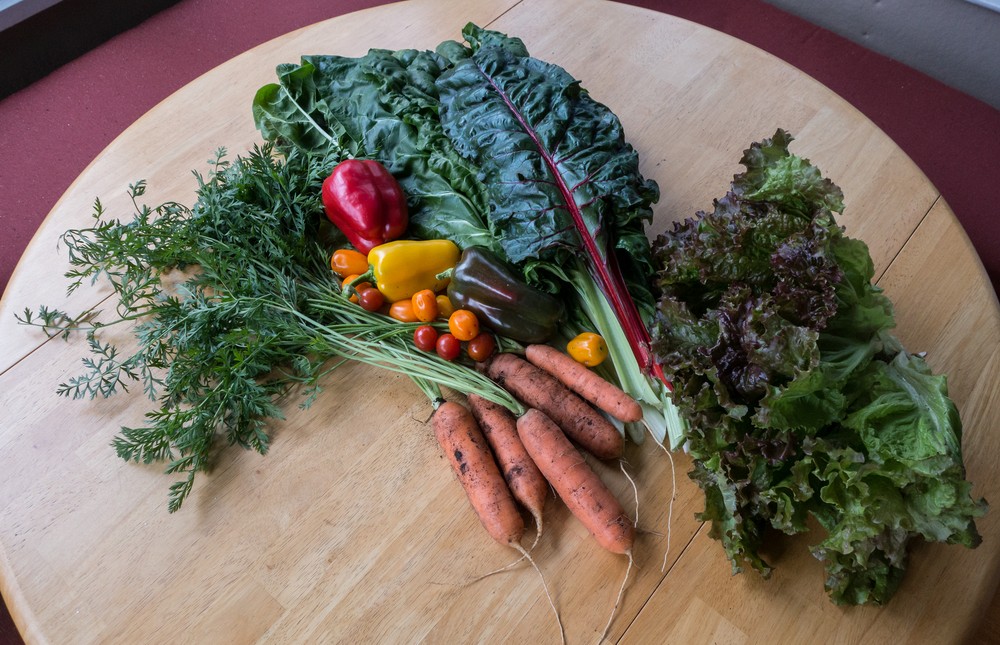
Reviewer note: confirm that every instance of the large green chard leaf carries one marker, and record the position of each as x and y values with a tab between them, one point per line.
561	177
383	106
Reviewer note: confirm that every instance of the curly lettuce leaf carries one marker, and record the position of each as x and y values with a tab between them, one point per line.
801	403
774	176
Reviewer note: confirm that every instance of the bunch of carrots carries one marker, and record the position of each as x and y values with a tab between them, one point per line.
502	460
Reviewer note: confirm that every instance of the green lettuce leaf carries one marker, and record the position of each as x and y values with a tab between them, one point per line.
800	401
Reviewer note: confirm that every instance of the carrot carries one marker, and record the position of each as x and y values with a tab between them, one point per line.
580	488
588	384
538	389
465	447
523	477
576	483
471	459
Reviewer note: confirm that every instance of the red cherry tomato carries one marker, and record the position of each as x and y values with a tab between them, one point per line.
481	347
370	299
425	338
448	347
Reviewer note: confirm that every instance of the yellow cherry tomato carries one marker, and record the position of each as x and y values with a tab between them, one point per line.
445	308
463	324
588	348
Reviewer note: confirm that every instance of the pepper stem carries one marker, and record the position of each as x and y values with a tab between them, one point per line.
350	288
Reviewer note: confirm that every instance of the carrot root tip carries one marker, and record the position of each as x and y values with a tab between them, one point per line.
618	600
545	588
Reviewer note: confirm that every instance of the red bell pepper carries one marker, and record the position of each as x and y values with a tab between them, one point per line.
364	200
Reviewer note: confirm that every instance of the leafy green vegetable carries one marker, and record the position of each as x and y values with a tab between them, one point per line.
538	171
566	195
800	401
259	315
380	106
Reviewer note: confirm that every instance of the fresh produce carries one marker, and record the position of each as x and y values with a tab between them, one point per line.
484	284
463	324
523	478
448	347
497	149
371	299
365	202
537	389
470	457
587	348
481	347
425	306
576	483
425	337
258	315
404	267
444	305
800	401
348	262
402	310
589	385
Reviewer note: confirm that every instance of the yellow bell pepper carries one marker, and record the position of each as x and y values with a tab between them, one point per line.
403	267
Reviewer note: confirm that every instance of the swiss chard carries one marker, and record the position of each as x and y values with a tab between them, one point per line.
563	182
382	106
498	149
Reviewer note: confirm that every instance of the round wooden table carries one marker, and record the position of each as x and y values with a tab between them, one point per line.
353	528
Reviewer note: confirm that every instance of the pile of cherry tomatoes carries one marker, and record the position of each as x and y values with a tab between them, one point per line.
423	306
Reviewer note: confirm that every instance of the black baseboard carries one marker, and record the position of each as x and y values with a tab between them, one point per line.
37	45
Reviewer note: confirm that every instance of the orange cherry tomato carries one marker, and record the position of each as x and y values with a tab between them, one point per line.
345	262
425	306
402	310
445	308
463	324
481	347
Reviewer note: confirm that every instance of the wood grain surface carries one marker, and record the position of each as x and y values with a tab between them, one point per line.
353	528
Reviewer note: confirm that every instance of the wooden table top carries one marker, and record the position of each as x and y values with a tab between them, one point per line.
353	528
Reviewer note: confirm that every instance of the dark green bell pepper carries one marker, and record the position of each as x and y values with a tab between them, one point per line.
487	286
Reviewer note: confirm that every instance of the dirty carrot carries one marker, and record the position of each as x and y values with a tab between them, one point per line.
588	384
470	457
466	449
538	389
580	488
526	482
576	483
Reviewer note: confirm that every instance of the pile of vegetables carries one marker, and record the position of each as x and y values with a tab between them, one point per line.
801	402
472	218
502	151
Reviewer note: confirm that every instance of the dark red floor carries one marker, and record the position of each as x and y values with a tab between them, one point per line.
52	129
